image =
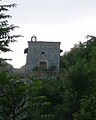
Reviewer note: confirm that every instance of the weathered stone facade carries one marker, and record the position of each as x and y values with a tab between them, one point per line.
42	55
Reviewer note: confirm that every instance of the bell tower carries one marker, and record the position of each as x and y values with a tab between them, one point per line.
33	38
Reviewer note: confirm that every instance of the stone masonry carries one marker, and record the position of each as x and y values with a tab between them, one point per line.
42	55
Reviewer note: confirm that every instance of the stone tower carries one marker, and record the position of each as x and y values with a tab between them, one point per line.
42	55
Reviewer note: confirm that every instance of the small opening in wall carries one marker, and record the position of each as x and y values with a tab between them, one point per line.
42	53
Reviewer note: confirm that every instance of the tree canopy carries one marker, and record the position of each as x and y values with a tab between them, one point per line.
5	29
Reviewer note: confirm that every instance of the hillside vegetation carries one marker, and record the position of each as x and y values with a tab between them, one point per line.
71	96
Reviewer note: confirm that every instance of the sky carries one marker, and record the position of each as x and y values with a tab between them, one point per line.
66	21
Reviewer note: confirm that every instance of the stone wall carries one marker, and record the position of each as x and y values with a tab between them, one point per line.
39	51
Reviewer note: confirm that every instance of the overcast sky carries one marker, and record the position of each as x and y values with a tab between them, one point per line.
67	21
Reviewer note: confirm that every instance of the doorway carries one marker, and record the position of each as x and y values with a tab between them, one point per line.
42	65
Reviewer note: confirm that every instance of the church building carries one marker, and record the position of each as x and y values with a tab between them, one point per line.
42	55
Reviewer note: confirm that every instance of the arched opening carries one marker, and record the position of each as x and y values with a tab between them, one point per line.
42	65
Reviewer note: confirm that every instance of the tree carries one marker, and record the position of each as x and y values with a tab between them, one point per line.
87	108
13	96
79	73
20	99
5	29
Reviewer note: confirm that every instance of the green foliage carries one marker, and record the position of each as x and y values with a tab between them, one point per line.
87	109
77	79
21	100
12	97
78	70
5	37
71	96
65	110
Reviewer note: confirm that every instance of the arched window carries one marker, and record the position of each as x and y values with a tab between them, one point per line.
42	65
